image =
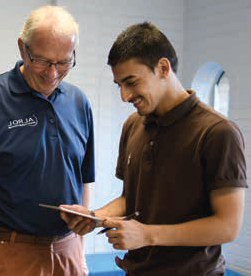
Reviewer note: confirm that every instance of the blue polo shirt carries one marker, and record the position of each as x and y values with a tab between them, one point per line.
46	153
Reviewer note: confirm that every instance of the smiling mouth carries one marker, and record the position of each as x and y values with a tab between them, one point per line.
136	102
49	81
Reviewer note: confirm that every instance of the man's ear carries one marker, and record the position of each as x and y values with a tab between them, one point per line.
164	68
21	47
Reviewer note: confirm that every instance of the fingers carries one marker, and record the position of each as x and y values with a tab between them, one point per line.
115	236
117	243
77	208
69	217
125	234
83	228
112	223
80	226
65	217
77	224
77	220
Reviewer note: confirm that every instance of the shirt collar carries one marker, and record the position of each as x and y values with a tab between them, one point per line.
175	114
18	85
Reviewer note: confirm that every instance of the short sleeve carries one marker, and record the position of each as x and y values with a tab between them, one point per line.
223	157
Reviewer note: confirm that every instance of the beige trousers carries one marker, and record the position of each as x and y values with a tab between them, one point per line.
61	258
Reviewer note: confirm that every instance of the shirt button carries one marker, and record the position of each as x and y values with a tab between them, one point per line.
152	143
51	121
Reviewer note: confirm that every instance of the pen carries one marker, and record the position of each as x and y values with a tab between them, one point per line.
134	215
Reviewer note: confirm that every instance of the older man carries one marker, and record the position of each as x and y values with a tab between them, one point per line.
46	150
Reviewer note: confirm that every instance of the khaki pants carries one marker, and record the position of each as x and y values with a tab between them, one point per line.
59	258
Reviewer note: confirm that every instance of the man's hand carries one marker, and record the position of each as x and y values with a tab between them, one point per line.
78	224
127	235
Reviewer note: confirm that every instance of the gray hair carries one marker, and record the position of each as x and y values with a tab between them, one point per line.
55	18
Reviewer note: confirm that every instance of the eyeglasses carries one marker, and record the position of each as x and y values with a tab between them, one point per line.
43	63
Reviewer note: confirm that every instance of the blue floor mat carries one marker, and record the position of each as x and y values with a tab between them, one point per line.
104	265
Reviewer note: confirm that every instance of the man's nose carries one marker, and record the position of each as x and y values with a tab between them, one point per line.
126	94
51	71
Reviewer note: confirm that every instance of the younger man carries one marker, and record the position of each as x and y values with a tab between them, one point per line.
181	162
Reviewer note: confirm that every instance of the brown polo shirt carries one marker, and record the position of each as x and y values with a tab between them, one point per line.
169	165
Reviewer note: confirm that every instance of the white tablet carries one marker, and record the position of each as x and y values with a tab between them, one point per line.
71	212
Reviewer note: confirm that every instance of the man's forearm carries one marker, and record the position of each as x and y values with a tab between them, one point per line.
201	232
86	195
223	226
115	208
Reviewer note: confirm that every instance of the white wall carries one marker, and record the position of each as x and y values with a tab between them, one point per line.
219	30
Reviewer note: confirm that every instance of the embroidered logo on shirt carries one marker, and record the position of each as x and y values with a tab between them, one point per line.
29	121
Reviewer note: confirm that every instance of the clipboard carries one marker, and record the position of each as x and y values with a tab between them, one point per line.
71	212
